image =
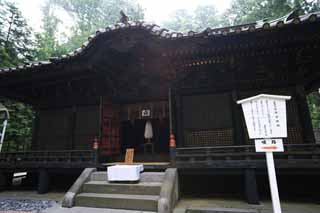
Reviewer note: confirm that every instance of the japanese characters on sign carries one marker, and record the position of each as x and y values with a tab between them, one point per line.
265	117
269	145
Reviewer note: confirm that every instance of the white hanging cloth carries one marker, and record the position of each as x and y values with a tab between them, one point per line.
148	132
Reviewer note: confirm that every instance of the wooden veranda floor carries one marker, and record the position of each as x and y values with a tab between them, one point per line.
146	165
149	161
303	156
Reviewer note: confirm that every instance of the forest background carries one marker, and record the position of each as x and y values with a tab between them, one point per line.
20	44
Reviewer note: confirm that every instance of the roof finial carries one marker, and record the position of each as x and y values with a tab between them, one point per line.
124	18
294	14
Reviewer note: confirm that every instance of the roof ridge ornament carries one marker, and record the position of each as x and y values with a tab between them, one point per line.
124	18
294	14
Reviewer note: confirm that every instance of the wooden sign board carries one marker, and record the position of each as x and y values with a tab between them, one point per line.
265	116
146	113
129	156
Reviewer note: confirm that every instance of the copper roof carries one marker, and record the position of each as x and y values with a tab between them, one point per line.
162	33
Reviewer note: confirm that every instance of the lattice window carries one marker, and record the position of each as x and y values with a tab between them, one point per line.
294	136
208	137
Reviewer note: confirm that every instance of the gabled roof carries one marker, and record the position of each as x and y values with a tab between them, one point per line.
166	34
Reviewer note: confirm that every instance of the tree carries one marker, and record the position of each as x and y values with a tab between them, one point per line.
91	15
314	103
247	11
15	41
19	130
201	18
47	42
15	48
206	16
181	21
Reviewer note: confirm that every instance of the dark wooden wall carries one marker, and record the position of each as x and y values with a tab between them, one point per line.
54	129
67	128
207	120
215	119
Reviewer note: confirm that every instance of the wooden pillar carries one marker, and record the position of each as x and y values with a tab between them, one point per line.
179	120
171	118
251	189
71	146
43	181
304	115
101	133
237	118
35	131
172	140
30	180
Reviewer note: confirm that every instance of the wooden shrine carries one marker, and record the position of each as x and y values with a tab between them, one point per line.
190	84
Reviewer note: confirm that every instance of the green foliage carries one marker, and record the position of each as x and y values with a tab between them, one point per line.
5	60
19	130
201	18
47	44
314	108
206	16
240	12
90	15
180	21
15	41
15	48
248	11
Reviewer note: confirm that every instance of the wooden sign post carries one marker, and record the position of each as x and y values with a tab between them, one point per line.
266	121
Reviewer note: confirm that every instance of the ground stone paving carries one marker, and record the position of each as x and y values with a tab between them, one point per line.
264	207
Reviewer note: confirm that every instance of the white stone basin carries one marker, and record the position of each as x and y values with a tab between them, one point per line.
124	172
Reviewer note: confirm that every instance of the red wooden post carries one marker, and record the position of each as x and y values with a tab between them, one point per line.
95	147
172	145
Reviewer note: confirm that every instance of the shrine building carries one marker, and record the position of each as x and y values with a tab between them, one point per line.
172	97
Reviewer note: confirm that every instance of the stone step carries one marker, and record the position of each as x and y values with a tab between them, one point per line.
98	176
118	201
144	177
152	177
80	209
141	188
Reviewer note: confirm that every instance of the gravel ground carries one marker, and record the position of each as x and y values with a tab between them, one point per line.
31	195
25	204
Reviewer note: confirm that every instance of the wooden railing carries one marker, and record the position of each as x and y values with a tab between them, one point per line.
62	157
207	155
